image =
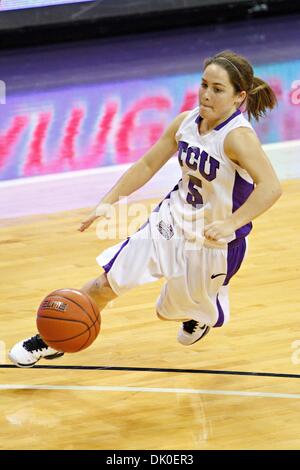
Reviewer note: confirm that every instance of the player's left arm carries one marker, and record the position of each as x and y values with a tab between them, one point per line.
243	148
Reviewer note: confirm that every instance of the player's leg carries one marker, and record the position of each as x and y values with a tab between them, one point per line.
204	294
192	298
190	331
99	289
175	304
116	280
27	352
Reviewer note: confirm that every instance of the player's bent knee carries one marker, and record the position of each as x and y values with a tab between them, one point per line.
160	317
99	289
101	286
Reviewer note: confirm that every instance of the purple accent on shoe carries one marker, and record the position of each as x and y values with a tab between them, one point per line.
217	128
107	267
221	314
235	254
241	191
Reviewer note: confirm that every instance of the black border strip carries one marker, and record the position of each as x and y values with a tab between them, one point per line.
158	369
75	22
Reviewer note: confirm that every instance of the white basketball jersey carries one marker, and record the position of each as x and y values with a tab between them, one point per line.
212	186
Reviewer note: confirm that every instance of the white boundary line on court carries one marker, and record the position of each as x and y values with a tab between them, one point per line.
66	175
289	144
48	194
285	145
191	391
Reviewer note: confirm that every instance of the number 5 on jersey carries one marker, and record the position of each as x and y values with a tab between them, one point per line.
194	197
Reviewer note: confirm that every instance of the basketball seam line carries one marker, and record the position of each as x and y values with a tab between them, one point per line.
96	316
72	337
74	302
64	296
82	346
66	319
89	327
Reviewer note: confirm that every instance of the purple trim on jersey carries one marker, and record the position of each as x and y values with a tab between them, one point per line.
158	206
107	267
240	193
221	314
235	254
167	196
236	113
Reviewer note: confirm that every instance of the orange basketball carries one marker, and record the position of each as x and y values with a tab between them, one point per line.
68	320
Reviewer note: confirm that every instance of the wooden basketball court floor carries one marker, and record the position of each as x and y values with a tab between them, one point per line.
136	387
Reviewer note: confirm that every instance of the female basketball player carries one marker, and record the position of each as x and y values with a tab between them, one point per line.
196	238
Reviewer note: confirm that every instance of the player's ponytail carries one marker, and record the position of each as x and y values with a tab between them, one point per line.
260	95
260	98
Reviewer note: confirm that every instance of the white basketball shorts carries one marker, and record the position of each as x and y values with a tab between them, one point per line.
197	278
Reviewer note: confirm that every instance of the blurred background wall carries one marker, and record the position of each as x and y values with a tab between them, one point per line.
94	83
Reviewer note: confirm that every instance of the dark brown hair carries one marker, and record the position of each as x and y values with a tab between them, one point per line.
260	95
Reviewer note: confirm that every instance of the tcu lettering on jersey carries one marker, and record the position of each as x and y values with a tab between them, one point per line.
196	160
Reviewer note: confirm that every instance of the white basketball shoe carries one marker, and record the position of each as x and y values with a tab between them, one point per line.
191	331
28	352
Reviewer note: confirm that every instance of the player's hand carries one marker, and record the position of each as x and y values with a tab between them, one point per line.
102	210
218	230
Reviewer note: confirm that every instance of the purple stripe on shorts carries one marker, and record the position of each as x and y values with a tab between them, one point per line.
221	314
107	267
235	254
241	191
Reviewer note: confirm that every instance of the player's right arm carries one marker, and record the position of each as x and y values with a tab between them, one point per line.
139	173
